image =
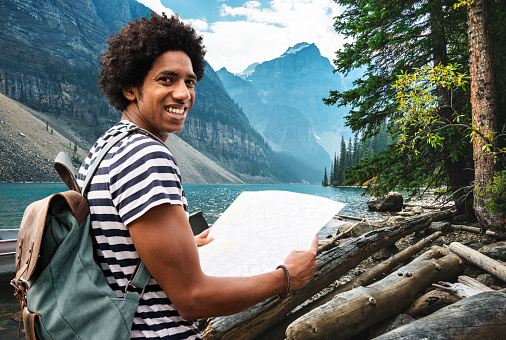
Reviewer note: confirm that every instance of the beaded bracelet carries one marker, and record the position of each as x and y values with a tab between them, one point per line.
281	296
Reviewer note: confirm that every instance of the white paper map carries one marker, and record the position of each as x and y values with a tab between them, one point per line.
260	228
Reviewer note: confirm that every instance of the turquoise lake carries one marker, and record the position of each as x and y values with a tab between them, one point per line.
211	199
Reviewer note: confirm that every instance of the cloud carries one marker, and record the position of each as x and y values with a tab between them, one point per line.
265	33
258	31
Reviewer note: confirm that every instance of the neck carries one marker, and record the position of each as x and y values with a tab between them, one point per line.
132	114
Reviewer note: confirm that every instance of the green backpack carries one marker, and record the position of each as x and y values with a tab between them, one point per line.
63	291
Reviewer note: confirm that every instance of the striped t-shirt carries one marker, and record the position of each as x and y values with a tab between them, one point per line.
137	174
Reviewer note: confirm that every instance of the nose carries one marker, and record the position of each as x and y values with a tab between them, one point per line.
181	92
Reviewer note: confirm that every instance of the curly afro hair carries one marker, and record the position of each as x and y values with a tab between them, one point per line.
133	50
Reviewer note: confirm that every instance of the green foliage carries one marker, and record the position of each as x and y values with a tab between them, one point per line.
421	107
496	194
393	170
386	39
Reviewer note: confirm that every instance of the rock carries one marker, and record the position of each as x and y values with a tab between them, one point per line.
365	227
443	226
393	220
392	202
489	280
343	227
418	210
344	240
385	253
495	250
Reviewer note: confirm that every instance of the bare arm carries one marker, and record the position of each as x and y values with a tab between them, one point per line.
165	243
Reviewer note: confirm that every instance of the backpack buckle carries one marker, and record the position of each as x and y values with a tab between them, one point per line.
128	284
20	288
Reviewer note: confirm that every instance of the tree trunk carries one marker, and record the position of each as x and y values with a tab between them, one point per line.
458	176
483	103
481	316
351	312
332	265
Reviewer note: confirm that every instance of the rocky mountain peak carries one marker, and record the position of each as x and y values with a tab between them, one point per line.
299	47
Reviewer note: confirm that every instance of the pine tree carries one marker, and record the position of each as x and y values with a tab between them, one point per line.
325	181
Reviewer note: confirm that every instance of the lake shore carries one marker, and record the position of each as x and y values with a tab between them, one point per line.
9	306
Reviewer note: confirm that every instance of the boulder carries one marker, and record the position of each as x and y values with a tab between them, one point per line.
365	227
442	226
495	250
391	202
343	227
489	280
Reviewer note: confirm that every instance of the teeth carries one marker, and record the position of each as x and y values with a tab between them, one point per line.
175	111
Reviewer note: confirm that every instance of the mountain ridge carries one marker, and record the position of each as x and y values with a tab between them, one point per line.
49	61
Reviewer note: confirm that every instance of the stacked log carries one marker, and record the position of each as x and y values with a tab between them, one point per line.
481	316
332	264
351	312
419	288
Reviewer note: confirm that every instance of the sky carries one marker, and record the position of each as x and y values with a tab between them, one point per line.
238	33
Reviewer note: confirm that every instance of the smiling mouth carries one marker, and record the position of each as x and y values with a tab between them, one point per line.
175	111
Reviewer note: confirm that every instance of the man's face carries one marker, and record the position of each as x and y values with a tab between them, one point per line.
167	93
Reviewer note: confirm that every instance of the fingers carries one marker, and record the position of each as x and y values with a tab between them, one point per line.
204	233
314	244
203	238
203	241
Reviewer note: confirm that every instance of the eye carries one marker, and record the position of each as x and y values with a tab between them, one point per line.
191	82
166	79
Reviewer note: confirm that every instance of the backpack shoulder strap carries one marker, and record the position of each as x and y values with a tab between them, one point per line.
63	166
105	149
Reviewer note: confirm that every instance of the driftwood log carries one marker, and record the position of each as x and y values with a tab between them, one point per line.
481	316
494	267
445	293
431	301
497	234
375	272
332	243
469	281
351	218
386	266
371	275
351	312
260	318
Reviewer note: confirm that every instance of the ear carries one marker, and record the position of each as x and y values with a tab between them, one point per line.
130	92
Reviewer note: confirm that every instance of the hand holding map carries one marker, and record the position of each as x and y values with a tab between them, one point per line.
260	228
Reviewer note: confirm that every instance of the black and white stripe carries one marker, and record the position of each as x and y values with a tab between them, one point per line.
136	175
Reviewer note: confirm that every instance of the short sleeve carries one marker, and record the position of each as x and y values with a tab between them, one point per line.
142	175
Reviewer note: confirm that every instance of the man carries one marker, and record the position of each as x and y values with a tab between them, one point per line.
138	207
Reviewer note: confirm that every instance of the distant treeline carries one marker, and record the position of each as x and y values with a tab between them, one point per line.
351	154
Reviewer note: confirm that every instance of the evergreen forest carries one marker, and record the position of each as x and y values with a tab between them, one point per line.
351	153
434	80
